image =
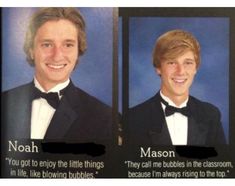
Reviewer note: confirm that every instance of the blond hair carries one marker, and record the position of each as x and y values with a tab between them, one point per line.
173	44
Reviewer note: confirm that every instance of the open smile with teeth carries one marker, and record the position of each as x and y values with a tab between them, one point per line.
179	81
56	66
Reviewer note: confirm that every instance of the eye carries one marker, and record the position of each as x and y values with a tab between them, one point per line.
171	62
189	62
46	45
69	45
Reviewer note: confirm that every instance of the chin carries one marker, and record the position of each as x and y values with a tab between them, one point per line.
181	93
58	80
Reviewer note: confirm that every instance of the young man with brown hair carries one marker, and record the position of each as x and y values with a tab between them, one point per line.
51	107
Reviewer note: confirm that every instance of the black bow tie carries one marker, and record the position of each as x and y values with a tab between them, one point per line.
51	97
169	110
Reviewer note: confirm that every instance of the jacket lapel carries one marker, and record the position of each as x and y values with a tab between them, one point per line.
196	127
64	116
158	132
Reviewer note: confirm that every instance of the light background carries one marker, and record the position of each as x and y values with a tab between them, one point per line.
211	83
93	74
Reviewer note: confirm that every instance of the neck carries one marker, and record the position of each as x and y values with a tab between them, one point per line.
176	99
46	86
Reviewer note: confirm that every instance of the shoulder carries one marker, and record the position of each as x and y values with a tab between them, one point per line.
203	107
80	97
18	91
19	88
147	105
94	116
145	110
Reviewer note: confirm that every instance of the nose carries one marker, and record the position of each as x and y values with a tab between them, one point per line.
180	69
57	53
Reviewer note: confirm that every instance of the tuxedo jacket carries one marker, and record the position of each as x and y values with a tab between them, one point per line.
147	124
79	116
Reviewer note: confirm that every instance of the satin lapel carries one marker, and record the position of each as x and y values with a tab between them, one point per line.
63	117
61	121
159	133
196	127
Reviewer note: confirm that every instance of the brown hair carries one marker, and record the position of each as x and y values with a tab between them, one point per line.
174	43
49	14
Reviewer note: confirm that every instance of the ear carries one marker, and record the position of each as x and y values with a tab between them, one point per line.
158	71
196	69
76	64
31	54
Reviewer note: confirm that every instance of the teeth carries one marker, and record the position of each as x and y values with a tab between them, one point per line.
179	80
56	66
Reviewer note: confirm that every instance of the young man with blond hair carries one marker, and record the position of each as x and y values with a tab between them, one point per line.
172	116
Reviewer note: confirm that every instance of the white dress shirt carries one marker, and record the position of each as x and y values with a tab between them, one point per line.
42	112
177	123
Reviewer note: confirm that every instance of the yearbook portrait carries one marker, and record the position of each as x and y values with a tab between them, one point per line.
171	39
177	99
66	51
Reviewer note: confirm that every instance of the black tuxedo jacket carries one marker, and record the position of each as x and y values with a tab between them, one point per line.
79	116
147	124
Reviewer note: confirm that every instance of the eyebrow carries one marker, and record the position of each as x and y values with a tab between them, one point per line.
45	40
51	40
189	59
70	40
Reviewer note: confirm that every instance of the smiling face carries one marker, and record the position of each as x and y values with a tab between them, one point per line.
55	52
177	76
